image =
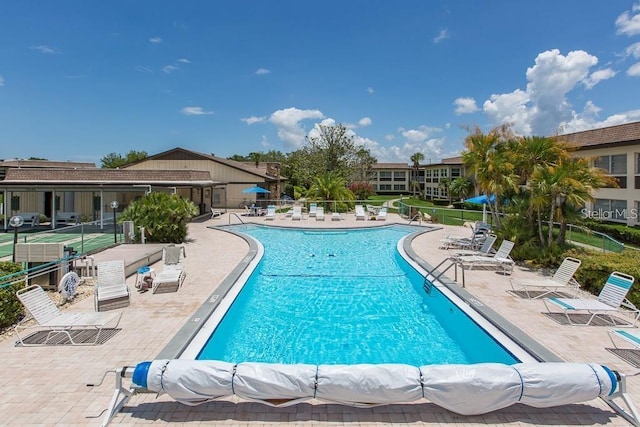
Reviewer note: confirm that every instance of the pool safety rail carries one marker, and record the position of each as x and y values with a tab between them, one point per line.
464	389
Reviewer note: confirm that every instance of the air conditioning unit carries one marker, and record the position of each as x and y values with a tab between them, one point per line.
41	262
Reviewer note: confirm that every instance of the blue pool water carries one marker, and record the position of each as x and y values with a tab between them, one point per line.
344	297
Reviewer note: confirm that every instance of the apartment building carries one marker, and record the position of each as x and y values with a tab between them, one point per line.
393	178
616	149
438	175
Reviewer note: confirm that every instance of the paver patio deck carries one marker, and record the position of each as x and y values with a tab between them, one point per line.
47	385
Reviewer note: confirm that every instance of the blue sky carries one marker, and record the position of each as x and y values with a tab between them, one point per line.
84	78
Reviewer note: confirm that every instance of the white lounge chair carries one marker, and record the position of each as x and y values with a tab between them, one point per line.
173	272
631	337
611	300
360	213
271	213
111	290
479	232
561	280
335	216
629	351
215	213
313	209
297	213
382	214
500	259
484	250
319	213
48	317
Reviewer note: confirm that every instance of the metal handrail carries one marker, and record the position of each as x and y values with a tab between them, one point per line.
237	216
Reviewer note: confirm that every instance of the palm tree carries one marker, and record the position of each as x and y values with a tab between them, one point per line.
416	158
564	186
488	158
331	186
445	183
460	187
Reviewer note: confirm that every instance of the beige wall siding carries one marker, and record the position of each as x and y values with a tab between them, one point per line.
630	194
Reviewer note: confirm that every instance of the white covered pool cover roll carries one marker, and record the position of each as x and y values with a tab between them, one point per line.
465	389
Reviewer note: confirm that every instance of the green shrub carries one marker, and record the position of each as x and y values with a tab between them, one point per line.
163	216
10	307
620	232
597	266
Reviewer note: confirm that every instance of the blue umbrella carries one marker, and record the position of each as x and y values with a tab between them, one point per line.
255	189
484	201
481	200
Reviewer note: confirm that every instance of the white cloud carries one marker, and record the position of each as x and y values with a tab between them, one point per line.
155	40
184	61
264	142
142	69
253	119
629	21
633	50
370	90
465	105
1	81
634	70
443	34
168	69
365	121
289	127
598	76
401	153
195	111
262	71
510	108
544	104
588	119
389	137
45	49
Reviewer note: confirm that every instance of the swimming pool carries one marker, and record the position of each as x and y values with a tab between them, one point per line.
468	389
344	297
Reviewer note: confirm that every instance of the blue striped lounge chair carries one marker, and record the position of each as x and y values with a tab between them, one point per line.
611	300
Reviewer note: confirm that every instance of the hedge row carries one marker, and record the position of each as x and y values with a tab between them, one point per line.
620	232
597	266
10	308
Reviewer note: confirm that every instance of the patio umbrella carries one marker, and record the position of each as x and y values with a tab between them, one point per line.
255	189
484	200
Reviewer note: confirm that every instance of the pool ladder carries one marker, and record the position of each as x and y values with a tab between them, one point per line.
436	274
237	216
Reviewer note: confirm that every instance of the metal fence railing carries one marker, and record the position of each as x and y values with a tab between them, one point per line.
88	237
583	236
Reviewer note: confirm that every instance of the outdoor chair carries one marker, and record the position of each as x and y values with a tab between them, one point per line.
611	300
57	324
111	290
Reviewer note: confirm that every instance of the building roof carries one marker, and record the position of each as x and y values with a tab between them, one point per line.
390	166
19	163
262	170
93	177
450	161
625	134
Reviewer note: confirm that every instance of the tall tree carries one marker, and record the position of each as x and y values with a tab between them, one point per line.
331	149
565	185
488	158
416	158
114	160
